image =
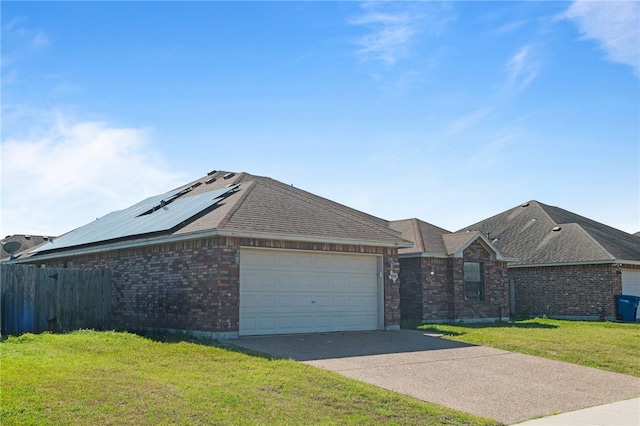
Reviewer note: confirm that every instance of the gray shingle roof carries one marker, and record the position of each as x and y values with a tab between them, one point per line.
527	232
252	205
27	242
434	241
265	205
426	238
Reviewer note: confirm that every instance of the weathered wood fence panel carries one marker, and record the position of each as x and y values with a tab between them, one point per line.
35	299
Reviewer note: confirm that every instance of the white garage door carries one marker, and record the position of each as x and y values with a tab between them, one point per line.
631	284
285	292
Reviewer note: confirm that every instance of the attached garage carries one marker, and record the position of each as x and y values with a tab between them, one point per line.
233	254
631	284
290	291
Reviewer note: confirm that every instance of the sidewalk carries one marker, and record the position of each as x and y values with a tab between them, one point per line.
623	413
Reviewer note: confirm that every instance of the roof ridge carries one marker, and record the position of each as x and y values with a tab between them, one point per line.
420	238
448	247
588	234
317	200
582	229
540	206
243	196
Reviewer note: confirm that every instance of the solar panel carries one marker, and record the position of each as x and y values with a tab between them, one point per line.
132	220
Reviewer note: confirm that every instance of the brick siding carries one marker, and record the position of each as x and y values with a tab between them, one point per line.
440	296
566	291
194	285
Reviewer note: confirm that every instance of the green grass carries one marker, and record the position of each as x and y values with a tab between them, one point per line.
605	345
90	377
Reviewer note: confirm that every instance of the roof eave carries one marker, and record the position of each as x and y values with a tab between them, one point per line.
423	254
447	256
588	262
165	239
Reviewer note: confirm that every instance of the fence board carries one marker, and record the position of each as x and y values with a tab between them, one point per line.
33	300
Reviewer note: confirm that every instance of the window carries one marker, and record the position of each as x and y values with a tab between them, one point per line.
473	281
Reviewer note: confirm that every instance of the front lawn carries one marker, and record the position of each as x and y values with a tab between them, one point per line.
89	378
605	345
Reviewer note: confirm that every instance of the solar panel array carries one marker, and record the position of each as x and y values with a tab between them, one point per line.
154	214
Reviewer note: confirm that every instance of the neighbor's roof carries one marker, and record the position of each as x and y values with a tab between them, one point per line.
26	243
539	234
432	241
231	204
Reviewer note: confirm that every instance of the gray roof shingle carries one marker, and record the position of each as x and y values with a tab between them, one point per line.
540	234
434	241
253	205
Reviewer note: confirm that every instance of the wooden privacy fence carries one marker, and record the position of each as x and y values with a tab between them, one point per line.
35	299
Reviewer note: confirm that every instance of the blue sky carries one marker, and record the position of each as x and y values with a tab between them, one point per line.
446	111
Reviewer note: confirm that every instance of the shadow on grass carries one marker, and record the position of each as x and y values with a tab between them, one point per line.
445	328
175	338
320	346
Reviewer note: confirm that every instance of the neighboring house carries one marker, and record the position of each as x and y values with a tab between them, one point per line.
16	246
451	277
236	254
569	266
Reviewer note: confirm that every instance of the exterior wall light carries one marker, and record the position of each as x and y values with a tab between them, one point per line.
432	270
236	257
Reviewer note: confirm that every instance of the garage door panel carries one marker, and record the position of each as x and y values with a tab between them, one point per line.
305	282
286	262
631	285
339	301
286	302
303	263
631	282
268	261
250	260
300	292
338	283
322	322
322	282
369	302
321	302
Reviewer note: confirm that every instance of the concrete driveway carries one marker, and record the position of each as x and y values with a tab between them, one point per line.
487	382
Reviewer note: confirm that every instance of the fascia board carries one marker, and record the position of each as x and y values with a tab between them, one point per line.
498	255
444	256
312	239
422	254
121	245
594	262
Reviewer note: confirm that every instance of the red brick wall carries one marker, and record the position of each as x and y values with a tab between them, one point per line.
194	285
566	291
411	288
440	296
496	285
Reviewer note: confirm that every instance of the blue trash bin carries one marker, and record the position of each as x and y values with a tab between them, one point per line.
627	307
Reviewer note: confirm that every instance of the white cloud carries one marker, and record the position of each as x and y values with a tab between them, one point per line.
394	26
68	175
16	33
521	69
615	25
467	122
